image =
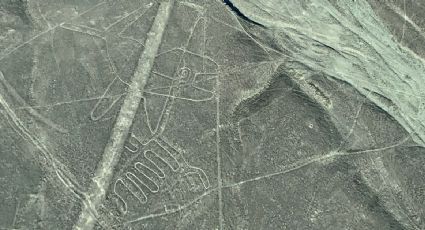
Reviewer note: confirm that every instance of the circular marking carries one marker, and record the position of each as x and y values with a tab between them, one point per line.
184	73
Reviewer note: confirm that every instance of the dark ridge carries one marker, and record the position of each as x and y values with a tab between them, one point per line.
356	190
279	85
373	203
240	14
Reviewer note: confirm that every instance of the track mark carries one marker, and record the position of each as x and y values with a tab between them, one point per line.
30	110
113	149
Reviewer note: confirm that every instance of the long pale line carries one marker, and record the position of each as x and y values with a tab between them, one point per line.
68	102
7	53
310	160
219	181
114	147
30	110
288	169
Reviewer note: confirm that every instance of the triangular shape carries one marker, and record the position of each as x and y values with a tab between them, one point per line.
198	38
154	105
140	26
